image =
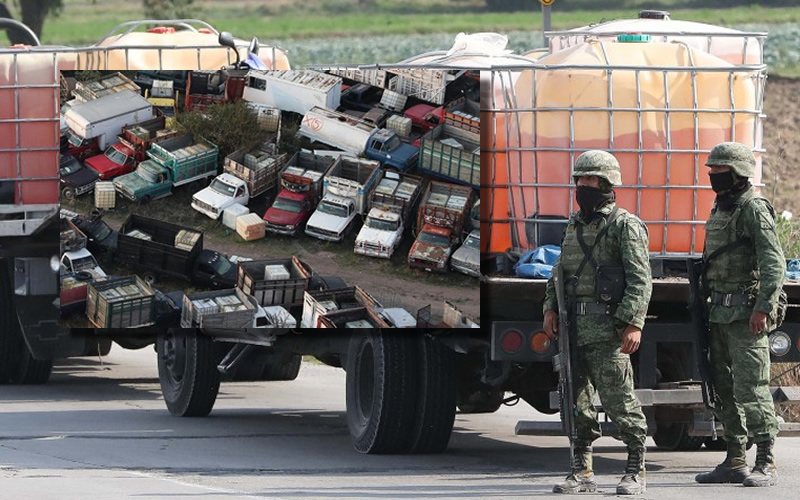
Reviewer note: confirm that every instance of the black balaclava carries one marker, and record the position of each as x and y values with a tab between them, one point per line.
728	187
591	198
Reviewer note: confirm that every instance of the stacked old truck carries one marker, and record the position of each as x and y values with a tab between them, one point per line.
659	100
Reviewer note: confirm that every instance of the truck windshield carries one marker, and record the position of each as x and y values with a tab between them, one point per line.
288	205
84	264
70	167
382	225
146	174
329	208
223	188
434	239
116	156
74	139
472	242
102	232
221	265
392	144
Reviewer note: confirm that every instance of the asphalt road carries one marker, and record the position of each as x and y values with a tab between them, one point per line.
101	431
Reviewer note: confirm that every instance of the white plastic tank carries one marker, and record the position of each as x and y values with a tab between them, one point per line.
734	46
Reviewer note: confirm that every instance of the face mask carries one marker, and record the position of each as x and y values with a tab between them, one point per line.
722	181
591	198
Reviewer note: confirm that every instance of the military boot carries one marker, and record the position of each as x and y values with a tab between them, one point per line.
732	470
581	479
764	473
634	482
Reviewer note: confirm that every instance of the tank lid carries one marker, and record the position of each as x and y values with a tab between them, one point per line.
654	14
633	38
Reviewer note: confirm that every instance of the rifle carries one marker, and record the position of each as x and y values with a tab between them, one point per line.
699	311
563	362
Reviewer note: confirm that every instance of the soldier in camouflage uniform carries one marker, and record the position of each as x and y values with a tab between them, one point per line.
744	283
607	331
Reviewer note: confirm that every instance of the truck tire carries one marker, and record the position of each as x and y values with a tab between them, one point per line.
670	435
187	371
144	200
436	398
282	367
11	342
68	193
97	347
381	392
32	371
150	277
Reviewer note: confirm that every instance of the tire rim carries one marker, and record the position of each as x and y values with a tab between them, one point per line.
174	358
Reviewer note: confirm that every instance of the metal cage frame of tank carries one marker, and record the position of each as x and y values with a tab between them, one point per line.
24	219
500	75
570	38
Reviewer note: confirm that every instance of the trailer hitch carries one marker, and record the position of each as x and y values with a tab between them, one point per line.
236	354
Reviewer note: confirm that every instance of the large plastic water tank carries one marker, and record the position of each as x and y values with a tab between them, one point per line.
734	46
658	107
29	139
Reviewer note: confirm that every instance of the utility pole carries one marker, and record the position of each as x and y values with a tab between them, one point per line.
546	4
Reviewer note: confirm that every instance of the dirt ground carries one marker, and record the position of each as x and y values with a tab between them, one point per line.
391	282
782	141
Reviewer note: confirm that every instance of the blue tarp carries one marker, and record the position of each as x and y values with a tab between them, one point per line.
793	269
538	263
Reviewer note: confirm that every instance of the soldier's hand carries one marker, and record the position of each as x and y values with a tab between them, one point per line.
631	338
758	322
551	324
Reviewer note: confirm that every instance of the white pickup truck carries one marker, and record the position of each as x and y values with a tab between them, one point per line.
224	191
390	205
347	188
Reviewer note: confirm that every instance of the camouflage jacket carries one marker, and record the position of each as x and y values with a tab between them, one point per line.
625	244
756	268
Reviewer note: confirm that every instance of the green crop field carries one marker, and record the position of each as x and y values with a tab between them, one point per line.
341	31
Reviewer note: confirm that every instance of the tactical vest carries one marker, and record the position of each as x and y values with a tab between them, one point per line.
734	270
606	252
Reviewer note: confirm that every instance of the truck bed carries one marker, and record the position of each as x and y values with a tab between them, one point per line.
252	279
151	244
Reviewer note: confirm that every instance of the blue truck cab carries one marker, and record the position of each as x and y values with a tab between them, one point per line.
386	147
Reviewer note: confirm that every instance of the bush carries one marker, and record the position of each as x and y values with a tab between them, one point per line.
229	126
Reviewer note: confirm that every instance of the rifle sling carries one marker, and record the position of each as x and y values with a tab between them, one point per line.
588	251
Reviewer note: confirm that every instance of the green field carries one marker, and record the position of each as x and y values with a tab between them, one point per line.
85	21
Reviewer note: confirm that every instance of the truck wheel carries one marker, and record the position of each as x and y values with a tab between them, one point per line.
381	392
150	277
144	200
187	371
97	347
68	193
436	397
282	367
675	437
32	371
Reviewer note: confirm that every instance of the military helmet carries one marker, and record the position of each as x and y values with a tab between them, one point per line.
599	163
735	155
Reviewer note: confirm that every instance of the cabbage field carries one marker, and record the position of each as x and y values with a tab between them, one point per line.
782	50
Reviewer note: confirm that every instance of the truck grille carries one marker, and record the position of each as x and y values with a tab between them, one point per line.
84	189
205	206
322	233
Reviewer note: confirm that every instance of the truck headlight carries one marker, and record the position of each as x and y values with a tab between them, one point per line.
779	343
290	228
55	265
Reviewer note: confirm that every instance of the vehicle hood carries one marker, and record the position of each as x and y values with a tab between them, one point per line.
327	221
279	317
282	217
81	177
103	166
384	238
213	198
425	251
467	256
132	183
405	151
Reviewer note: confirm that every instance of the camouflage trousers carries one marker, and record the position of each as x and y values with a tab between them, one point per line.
603	369
741	377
